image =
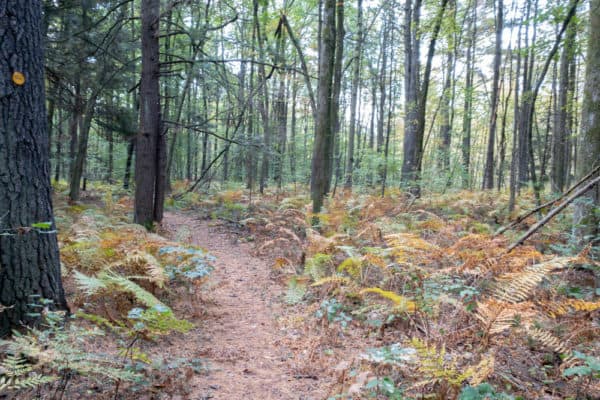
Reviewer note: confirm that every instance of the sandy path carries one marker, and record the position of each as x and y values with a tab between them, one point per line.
249	354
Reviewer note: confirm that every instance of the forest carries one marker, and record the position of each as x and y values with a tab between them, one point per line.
300	199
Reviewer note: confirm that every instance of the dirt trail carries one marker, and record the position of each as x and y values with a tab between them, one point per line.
250	355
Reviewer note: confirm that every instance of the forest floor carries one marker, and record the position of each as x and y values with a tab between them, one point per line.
252	355
239	297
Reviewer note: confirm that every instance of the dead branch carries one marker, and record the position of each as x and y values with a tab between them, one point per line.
554	212
549	203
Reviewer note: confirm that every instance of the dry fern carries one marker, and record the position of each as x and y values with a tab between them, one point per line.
496	317
483	370
519	286
407	246
549	341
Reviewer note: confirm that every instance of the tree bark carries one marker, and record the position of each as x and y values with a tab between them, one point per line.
29	259
468	105
323	133
416	89
488	172
149	163
354	97
585	221
561	135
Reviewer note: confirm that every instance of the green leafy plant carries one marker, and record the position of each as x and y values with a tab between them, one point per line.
586	373
384	386
483	391
333	311
295	292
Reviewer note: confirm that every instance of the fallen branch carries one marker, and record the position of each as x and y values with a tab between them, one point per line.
554	212
550	203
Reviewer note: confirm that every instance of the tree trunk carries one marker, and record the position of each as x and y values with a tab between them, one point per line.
354	97
148	160
130	151
29	259
586	222
416	90
561	135
323	134
82	146
468	106
488	171
334	141
58	152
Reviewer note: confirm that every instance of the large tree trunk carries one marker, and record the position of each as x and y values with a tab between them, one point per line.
337	89
561	135
148	159
323	132
354	97
585	220
29	260
263	104
488	172
415	89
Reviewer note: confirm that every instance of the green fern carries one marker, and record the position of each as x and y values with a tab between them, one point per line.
106	280
318	266
16	373
141	294
88	284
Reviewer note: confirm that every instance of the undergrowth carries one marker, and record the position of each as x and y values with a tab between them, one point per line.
122	282
457	316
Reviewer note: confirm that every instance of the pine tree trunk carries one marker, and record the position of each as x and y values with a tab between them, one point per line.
354	97
561	135
148	156
323	134
488	172
29	259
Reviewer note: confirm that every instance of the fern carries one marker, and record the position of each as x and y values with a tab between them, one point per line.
483	370
352	266
517	287
88	284
557	309
141	294
106	280
497	317
318	266
156	273
17	373
405	246
333	279
59	349
436	366
401	302
549	341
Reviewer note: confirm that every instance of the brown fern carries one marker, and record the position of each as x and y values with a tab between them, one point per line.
520	286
